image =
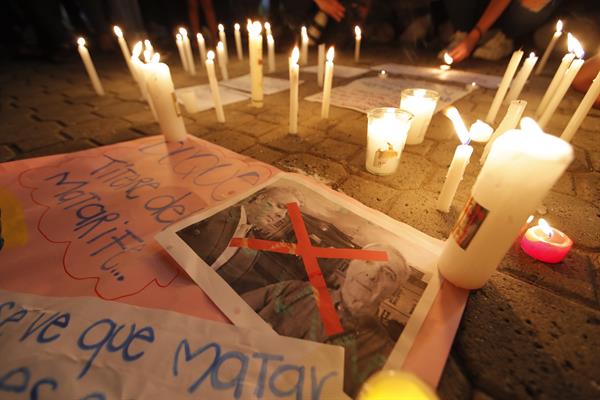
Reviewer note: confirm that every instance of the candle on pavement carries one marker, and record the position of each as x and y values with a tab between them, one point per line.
386	135
223	39
201	46
421	103
546	243
187	48
304	46
294	76
327	82
557	34
271	52
181	50
517	85
222	61
582	110
510	121
238	41
89	66
256	64
214	85
513	64
357	38
124	49
320	64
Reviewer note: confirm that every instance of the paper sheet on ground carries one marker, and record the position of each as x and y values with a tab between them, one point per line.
71	350
453	75
270	85
367	93
199	98
339	71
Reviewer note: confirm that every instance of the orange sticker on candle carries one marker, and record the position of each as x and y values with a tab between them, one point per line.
469	222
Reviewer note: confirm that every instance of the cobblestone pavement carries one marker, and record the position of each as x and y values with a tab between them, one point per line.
532	331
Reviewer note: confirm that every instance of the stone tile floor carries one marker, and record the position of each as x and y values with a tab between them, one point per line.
532	332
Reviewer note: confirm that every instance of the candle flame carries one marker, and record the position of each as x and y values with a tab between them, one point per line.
221	28
118	31
270	38
532	55
330	54
559	26
545	227
256	28
357	32
147	55
137	50
210	55
183	31
236	26
267	26
248	24
178	37
448	59
81	41
295	55
148	45
529	124
529	219
303	31
574	46
220	46
459	125
199	37
155	58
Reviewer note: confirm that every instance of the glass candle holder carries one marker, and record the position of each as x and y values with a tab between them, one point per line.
386	136
421	103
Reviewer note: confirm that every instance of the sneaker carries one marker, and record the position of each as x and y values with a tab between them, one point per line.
496	48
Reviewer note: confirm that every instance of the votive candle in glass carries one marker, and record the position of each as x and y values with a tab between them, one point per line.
421	103
386	135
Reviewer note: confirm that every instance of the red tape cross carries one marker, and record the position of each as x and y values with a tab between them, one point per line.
309	255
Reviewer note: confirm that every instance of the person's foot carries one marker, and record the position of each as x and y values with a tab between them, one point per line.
496	48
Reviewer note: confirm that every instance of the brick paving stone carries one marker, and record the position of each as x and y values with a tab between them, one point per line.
115	136
579	163
565	184
411	174
121	109
587	140
440	128
148	129
453	383
96	128
588	187
6	153
66	113
334	149
139	117
535	345
350	131
326	171
421	148
437	180
264	154
13	134
281	140
231	140
257	128
591	123
595	159
577	218
370	193
39	141
64	147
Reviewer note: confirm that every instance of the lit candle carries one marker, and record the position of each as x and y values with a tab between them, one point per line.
421	103
510	121
448	60
201	46
386	135
268	28
89	66
214	85
294	75
320	64
187	49
124	49
162	92
256	64
557	34
480	131
148	46
462	156
560	72
357	38
223	39
565	82
181	50
583	109
238	41
271	51
545	243
513	64
139	69
501	200
390	384
304	46
327	81
222	61
517	85
382	74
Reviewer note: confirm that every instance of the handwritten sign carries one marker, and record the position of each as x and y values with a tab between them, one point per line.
53	347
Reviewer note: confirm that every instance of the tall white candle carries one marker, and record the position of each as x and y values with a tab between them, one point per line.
124	49
268	29
462	156
214	85
222	61
89	66
320	64
328	80
501	200
519	82
304	46
201	46
386	136
181	50
223	39
510	121
584	107
162	92
294	76
140	73
357	38
557	34
560	72
256	64
188	51
271	52
513	64
421	103
238	41
148	46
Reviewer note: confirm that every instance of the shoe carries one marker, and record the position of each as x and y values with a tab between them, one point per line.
496	48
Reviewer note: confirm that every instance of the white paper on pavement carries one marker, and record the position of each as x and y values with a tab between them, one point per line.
339	71
452	75
270	85
199	98
86	348
368	93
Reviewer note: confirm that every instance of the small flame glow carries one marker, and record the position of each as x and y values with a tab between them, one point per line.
529	124
183	31
155	58
529	219
248	24
295	55
147	55
137	50
459	125
220	46
199	37
256	28
221	28
148	45
532	55
574	46
559	26
81	41
236	26
357	32
267	26
210	55
303	31
330	54
545	227
118	31
448	59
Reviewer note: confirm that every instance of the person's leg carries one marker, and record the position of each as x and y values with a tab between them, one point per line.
524	16
464	14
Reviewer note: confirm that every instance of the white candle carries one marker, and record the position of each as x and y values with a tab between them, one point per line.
502	198
187	48
139	69
268	28
222	61
328	80
421	103
519	82
321	64
201	46
223	39
124	49
480	131
89	66
148	46
557	34
294	76
357	37
162	92
271	51
560	72
238	41
181	50
584	107
214	85
304	46
256	64
510	121
386	136
504	84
